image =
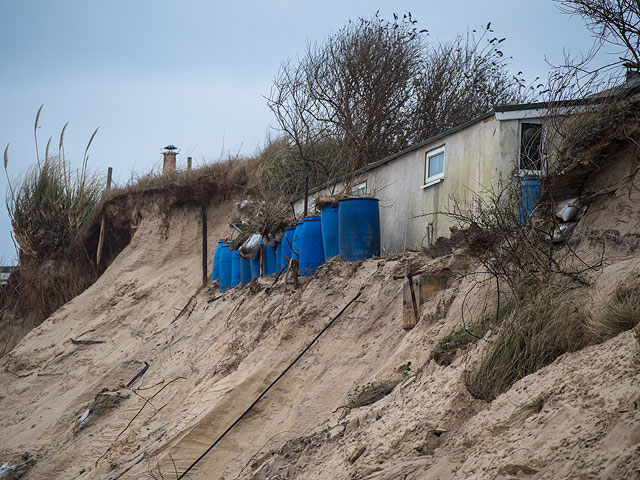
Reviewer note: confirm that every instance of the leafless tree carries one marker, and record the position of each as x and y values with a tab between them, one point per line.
376	86
353	92
616	22
598	105
462	79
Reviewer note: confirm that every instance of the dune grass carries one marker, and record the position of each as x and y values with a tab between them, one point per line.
47	207
617	313
538	331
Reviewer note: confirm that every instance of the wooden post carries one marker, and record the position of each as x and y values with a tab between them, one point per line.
204	246
413	298
188	163
410	315
262	259
306	196
102	222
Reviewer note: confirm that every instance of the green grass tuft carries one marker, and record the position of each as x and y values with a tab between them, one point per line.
371	392
447	348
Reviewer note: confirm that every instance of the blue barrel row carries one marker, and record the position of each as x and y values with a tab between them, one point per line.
350	229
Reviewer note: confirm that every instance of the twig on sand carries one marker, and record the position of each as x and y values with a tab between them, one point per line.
86	342
184	309
20	375
148	400
278	275
138	375
259	450
145	404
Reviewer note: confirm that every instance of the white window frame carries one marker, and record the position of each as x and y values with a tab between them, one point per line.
522	172
432	180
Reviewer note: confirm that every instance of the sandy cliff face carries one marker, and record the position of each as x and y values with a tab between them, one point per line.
64	397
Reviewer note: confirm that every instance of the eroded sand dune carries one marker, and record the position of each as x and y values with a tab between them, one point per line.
211	355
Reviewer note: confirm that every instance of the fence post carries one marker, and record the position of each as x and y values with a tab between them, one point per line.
188	163
102	222
306	196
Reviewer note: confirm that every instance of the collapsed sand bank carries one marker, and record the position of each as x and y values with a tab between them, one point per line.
210	355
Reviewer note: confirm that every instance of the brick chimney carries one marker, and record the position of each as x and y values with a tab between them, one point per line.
169	160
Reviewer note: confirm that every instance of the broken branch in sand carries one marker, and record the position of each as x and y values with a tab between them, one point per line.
138	375
86	342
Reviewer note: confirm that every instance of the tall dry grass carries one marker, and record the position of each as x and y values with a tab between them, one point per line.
52	200
47	207
547	325
616	313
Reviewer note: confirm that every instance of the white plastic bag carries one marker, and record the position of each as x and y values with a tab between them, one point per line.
568	209
251	248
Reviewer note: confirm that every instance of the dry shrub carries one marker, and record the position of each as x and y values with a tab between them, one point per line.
616	314
237	242
216	181
539	330
374	87
282	171
278	178
588	137
516	251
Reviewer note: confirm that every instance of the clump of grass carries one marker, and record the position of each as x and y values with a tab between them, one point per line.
539	330
47	207
447	348
371	392
616	314
216	181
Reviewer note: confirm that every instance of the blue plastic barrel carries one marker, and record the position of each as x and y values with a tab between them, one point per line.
286	247
269	264
329	218
225	267
311	248
255	267
529	195
215	271
245	271
236	268
295	246
358	228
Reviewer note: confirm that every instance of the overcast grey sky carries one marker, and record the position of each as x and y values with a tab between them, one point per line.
195	73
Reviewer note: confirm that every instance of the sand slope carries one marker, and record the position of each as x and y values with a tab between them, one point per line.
210	355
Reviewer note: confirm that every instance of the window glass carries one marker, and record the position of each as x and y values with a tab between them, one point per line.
359	190
436	165
531	146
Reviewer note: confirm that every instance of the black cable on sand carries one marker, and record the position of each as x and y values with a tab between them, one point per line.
271	385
